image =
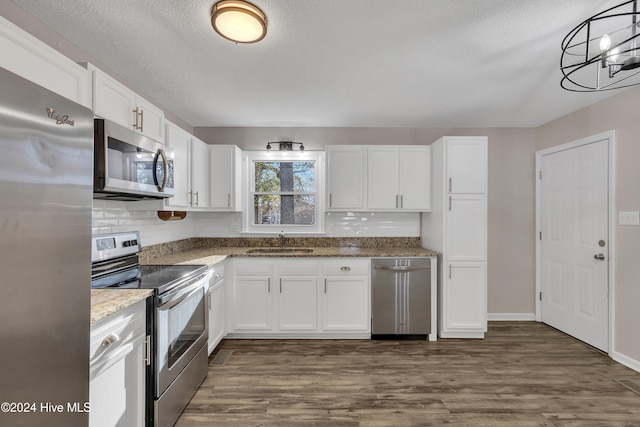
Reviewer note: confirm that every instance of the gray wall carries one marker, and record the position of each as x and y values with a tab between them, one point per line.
511	257
619	113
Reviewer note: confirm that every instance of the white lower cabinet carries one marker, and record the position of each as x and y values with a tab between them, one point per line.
346	295
304	297
464	290
297	307
251	304
217	306
117	369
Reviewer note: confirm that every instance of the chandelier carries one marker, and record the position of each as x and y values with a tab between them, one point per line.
603	52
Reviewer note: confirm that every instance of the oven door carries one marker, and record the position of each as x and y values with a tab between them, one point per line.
181	330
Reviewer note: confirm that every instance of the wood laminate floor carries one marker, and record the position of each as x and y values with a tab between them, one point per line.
521	374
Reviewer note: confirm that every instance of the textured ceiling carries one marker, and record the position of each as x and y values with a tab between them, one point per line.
339	63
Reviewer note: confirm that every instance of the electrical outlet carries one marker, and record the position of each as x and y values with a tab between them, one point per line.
629	218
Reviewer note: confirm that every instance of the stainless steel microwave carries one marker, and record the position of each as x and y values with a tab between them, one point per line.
128	165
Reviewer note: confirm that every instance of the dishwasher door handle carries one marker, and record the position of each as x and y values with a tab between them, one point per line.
401	268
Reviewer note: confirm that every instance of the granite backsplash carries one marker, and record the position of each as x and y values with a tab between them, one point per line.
177	246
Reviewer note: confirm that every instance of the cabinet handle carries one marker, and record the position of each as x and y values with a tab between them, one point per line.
325	285
345	268
228	200
330	202
197	198
147	344
396	201
449	271
141	120
269	285
281	285
209	295
135	118
402	201
190	198
449	202
450	184
110	340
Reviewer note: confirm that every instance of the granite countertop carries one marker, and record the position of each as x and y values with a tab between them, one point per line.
105	302
210	256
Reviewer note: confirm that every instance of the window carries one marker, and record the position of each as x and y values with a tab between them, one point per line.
284	192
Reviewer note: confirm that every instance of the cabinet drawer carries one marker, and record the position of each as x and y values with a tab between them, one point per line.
345	266
117	329
245	267
297	268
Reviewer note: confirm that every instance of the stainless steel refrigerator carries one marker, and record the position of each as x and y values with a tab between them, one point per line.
46	163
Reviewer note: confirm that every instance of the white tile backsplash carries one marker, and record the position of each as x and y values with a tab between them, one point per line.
113	216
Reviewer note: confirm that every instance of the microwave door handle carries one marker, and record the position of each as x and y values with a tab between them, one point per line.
162	154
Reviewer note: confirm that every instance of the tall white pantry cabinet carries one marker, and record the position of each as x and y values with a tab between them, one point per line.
457	228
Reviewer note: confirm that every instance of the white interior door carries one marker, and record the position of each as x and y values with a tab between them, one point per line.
575	241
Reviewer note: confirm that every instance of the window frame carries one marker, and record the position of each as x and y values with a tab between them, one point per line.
250	157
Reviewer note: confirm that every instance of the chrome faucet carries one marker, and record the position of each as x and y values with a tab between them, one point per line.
281	236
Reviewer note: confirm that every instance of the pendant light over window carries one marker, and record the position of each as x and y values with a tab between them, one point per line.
239	21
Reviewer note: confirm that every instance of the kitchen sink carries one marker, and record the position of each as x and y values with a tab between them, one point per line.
280	251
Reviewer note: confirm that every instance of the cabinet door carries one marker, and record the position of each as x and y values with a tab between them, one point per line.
297	303
117	369
466	165
180	141
251	307
217	315
415	178
382	177
112	100
199	174
346	174
464	298
226	168
28	57
345	302
150	120
466	227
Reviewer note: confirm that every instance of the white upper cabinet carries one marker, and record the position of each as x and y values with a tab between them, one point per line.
190	169
225	162
28	57
180	141
414	172
199	174
116	102
346	177
466	165
399	178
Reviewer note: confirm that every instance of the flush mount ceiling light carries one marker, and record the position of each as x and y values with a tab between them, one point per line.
603	52
239	21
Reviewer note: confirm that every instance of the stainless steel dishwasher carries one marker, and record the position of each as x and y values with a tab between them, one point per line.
401	298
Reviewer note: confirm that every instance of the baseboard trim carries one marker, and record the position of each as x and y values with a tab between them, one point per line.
511	317
625	360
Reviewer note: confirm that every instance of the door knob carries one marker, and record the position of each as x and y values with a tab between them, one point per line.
599	256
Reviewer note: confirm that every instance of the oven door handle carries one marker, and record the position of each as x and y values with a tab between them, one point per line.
173	298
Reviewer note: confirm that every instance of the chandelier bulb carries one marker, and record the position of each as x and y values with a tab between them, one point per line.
605	42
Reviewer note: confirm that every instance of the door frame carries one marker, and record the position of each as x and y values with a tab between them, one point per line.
610	136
